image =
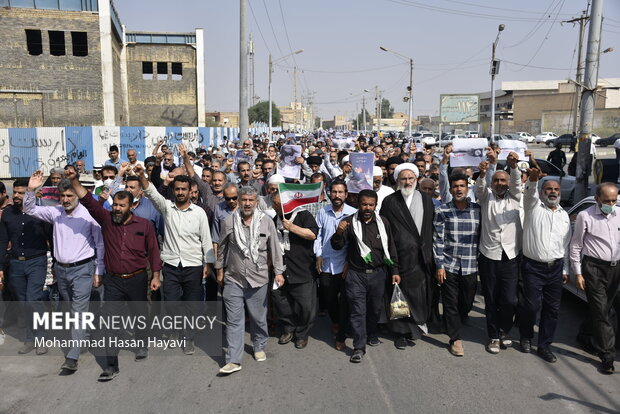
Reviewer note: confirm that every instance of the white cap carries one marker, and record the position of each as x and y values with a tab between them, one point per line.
377	171
276	179
406	166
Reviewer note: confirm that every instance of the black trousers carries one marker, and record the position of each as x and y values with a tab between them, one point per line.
332	291
119	293
499	282
542	291
296	307
365	297
182	284
458	292
601	288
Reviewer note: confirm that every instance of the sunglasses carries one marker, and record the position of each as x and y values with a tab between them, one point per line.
230	198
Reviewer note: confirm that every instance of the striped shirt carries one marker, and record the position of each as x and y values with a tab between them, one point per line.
456	237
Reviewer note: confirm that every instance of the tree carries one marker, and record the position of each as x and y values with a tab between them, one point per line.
386	110
260	113
359	122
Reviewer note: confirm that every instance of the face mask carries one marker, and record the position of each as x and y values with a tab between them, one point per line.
108	182
607	209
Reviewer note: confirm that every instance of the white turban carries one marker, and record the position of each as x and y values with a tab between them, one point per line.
344	160
406	166
276	179
377	171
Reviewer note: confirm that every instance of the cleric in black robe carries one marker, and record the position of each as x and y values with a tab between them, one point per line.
409	211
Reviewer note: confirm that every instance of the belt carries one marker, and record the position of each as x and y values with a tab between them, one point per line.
24	258
128	275
544	264
81	262
368	271
601	262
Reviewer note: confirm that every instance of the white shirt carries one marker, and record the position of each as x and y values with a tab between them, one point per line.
500	223
187	238
546	232
383	192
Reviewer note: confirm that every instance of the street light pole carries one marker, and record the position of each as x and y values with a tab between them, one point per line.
243	71
271	62
410	87
494	71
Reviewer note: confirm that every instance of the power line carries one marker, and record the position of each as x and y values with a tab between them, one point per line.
540	23
345	71
527	65
258	27
289	44
485	6
272	30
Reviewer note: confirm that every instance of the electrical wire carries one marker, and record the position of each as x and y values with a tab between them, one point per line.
258	27
540	23
346	72
272	30
289	44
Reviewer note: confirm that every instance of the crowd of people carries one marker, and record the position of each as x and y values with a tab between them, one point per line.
191	224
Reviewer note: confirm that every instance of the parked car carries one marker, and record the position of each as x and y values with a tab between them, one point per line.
449	138
544	137
472	134
525	137
425	137
498	137
603	142
594	138
564	139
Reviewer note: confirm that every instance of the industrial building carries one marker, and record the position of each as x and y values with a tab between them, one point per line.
73	63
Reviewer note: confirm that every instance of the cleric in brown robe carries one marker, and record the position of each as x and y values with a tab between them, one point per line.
410	214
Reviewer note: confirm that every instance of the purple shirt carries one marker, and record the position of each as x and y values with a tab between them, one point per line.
595	235
77	236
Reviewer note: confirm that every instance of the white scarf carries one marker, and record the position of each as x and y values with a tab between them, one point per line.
283	234
365	250
251	249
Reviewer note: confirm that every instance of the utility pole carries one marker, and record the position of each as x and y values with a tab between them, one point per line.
494	71
578	79
410	89
270	104
295	98
243	70
252	100
584	162
364	111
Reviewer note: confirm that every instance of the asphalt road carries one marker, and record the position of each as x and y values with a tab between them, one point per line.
422	378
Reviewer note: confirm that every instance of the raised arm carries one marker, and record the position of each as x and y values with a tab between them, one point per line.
530	196
514	186
43	213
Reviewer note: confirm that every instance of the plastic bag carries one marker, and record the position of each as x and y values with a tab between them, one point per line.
399	308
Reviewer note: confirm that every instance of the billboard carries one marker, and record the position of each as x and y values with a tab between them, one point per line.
459	109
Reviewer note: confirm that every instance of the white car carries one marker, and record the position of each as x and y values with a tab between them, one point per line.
425	137
525	137
471	134
594	138
543	137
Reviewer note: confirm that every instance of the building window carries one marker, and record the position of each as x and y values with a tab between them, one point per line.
34	42
57	43
162	70
79	40
147	70
177	71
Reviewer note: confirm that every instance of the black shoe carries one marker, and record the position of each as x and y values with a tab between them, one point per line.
546	354
108	374
400	342
189	349
357	356
374	341
301	343
526	345
69	365
607	366
142	354
285	338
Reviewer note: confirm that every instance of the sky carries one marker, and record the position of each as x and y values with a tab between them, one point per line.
448	40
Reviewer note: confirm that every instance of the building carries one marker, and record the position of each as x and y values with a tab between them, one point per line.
339	122
294	117
223	119
399	122
536	106
72	63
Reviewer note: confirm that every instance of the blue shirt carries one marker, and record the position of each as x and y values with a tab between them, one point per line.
326	219
147	210
221	212
116	164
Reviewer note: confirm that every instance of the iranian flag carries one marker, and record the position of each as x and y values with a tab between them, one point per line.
293	196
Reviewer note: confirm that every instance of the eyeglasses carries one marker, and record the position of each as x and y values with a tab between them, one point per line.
230	198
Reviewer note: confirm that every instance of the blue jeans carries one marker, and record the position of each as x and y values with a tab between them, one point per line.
27	279
74	285
255	300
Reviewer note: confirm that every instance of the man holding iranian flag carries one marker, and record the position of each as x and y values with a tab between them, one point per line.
293	196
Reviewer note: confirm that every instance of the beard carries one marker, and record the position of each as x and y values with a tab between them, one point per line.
407	190
551	203
71	206
246	213
500	192
120	218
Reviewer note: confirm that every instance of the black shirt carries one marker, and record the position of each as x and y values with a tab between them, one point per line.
372	239
557	157
300	259
29	236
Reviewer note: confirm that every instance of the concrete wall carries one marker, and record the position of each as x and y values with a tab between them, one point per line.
606	121
53	90
162	102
